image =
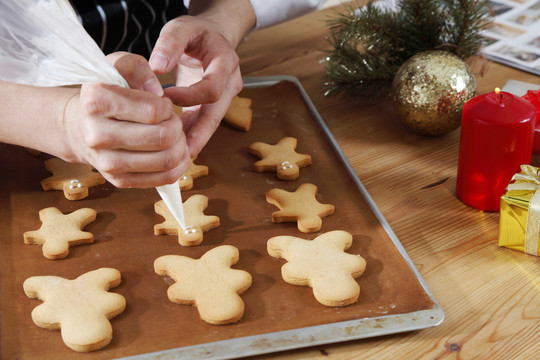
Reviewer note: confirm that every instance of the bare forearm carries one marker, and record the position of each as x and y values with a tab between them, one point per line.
33	116
234	17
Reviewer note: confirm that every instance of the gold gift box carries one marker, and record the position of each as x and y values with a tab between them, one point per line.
513	219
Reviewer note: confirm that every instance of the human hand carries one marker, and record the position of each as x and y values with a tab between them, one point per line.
207	74
131	136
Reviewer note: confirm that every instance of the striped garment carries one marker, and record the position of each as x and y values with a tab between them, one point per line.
128	25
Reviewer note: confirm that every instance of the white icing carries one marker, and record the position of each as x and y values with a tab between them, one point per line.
75	184
286	165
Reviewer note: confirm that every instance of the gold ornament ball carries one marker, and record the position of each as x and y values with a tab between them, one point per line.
429	91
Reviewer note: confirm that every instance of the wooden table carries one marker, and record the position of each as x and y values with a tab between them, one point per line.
490	295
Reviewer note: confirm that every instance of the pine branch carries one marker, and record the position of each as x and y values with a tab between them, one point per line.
368	45
421	24
364	57
463	36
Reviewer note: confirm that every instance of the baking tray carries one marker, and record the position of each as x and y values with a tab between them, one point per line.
394	298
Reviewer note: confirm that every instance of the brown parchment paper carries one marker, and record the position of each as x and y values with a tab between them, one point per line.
124	240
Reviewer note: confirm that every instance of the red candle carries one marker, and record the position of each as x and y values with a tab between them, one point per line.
496	138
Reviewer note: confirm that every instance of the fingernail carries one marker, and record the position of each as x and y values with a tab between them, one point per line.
158	62
152	85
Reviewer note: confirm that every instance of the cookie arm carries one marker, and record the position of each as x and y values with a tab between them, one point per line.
104	278
41	315
225	256
277	246
32	286
162	264
339	239
83	217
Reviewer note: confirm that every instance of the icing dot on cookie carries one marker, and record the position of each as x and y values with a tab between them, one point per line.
286	165
75	184
190	230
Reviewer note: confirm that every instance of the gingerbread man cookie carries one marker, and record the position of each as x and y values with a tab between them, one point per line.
197	222
322	264
73	179
208	283
301	206
239	114
281	158
80	308
58	231
194	171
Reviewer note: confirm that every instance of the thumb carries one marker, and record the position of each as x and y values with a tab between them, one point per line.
168	49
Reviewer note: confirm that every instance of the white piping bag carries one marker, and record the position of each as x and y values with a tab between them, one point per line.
173	199
44	44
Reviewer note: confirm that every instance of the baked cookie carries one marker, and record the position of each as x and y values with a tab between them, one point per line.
322	264
194	171
80	308
239	114
177	110
73	179
300	206
197	222
208	283
58	231
281	158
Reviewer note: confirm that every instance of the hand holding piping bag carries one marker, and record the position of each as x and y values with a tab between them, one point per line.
119	122
139	76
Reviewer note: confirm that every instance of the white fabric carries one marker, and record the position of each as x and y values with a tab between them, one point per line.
44	44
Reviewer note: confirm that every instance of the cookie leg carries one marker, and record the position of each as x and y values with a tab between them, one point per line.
89	334
336	290
229	310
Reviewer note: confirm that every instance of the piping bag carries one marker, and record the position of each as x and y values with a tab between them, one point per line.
172	197
44	44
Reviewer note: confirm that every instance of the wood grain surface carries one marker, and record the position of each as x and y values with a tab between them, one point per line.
490	295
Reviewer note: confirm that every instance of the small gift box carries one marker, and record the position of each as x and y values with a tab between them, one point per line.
519	224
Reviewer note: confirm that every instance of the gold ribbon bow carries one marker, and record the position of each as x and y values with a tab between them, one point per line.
529	181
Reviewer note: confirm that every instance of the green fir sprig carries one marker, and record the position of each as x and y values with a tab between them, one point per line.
369	43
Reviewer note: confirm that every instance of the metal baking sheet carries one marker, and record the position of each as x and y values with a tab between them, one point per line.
394	298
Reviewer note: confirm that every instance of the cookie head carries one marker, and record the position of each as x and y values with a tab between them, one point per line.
190	236
75	190
287	170
73	179
195	171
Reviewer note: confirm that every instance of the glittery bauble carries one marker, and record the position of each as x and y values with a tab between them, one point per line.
429	91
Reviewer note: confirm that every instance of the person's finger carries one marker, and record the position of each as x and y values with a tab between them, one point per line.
222	72
169	47
201	131
118	162
148	179
124	104
189	117
113	134
206	91
136	71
